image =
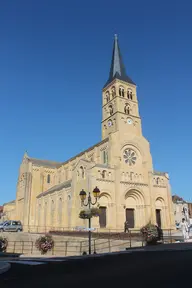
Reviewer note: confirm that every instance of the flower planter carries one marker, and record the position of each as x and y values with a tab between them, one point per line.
150	234
44	244
89	213
3	244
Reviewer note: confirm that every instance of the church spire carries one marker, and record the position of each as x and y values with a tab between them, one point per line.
26	155
117	70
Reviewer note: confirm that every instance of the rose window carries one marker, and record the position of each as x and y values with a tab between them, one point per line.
129	156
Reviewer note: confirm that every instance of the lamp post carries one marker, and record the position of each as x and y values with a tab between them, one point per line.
83	195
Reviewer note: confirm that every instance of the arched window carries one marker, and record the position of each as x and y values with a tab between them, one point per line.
60	211
92	157
52	211
107	96
121	91
127	109
66	174
59	176
157	180
129	94
110	109
48	178
113	91
82	172
105	157
103	174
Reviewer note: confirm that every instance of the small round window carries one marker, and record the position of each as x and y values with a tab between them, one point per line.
129	156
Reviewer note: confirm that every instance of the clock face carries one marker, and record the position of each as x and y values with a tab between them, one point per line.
109	123
129	121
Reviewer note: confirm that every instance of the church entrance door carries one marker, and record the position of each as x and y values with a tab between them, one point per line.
102	217
158	217
130	217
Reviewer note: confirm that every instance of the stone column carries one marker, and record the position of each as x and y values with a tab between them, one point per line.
118	198
152	200
170	206
27	201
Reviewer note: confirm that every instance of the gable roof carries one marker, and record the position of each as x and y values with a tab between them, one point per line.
45	163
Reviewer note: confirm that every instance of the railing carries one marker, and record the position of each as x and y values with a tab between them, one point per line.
71	242
70	248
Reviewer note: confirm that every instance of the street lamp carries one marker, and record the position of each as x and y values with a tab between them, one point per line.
83	195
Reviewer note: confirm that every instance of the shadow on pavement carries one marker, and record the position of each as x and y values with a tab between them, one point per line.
139	268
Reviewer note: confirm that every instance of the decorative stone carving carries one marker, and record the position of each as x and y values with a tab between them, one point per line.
133	183
105	180
131	176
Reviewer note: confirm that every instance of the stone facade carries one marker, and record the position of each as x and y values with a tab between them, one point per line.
120	166
181	210
1	212
9	211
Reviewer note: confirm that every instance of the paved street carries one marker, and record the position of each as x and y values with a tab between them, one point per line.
109	269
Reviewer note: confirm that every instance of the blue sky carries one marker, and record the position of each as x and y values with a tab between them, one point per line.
54	60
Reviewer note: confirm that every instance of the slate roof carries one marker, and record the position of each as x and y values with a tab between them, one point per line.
45	163
53	164
58	187
117	70
87	150
176	198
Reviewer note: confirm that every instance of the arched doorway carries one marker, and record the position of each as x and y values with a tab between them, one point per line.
134	208
104	215
160	212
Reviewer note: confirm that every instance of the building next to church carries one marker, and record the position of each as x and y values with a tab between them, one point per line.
1	212
120	165
181	209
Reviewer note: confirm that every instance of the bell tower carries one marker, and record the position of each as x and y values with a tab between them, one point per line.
119	99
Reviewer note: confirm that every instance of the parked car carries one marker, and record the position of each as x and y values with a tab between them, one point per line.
11	226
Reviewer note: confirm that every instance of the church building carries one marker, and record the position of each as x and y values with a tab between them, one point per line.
120	165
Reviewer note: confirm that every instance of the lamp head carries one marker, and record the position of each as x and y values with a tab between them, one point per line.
82	195
96	192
